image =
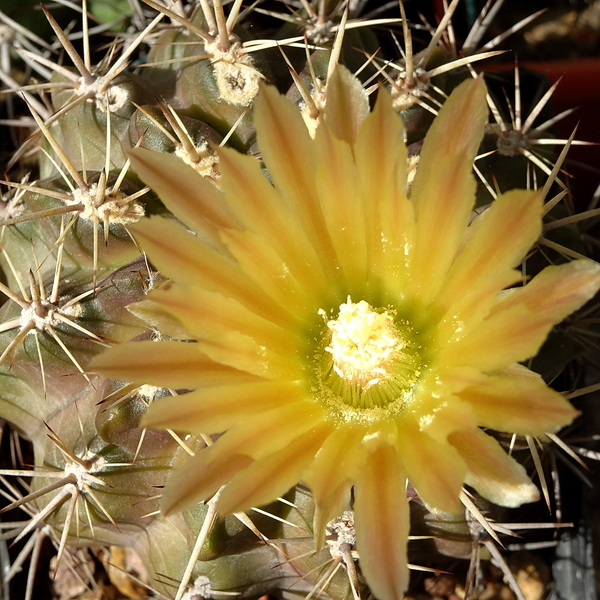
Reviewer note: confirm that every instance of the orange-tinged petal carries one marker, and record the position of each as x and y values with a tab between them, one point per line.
210	315
243	352
188	195
288	152
266	432
499	239
522	317
184	257
172	365
495	475
443	190
272	476
199	479
458	129
159	319
263	352
257	436
381	517
434	468
258	258
440	227
342	204
250	194
381	157
438	416
331	475
557	291
517	404
504	338
214	408
442	381
347	104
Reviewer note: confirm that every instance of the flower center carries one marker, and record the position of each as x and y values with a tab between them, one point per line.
363	344
368	358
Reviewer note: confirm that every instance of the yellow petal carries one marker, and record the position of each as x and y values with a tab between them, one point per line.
199	479
258	258
499	239
443	190
184	257
174	365
557	291
159	319
439	416
458	129
243	352
521	405
257	436
252	197
504	338
211	315
230	334
288	152
215	408
435	469
347	104
343	205
272	476
331	476
381	157
495	475
266	432
522	318
190	197
440	227
381	517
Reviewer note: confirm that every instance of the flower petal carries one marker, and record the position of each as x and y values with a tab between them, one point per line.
495	475
443	191
506	337
347	104
522	318
331	475
288	152
229	333
215	408
266	432
255	437
188	195
251	195
273	475
557	291
434	468
499	239
184	257
342	204
518	404
381	158
258	258
199	479
381	517
159	319
174	365
210	315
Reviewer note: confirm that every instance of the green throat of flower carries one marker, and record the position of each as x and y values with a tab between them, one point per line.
366	359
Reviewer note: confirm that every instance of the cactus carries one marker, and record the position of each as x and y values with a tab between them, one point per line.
98	347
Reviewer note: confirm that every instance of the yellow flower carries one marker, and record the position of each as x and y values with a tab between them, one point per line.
344	330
